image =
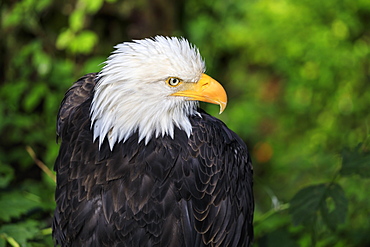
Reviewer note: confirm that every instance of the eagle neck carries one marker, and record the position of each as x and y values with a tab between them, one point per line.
116	118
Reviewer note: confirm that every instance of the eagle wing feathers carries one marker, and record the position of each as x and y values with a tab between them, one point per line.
186	191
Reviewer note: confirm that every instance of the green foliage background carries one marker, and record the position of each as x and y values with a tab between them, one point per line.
297	75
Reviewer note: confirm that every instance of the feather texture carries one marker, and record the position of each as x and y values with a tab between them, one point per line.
189	190
134	77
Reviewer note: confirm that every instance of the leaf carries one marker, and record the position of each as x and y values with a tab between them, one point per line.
76	20
334	208
83	42
34	96
329	200
6	175
14	204
93	6
21	232
356	162
305	204
64	38
13	93
11	16
42	62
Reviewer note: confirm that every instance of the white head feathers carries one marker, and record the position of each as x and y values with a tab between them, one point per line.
132	94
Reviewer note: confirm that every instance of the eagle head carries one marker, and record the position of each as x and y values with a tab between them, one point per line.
151	86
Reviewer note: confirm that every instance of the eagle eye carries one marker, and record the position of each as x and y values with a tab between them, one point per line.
173	81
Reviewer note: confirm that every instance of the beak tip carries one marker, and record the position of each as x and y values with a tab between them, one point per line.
222	107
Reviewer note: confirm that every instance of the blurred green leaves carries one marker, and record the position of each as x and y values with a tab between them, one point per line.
82	42
23	13
6	175
19	234
327	202
356	162
74	38
15	204
327	199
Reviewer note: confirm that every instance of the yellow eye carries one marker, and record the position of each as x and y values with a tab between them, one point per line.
173	81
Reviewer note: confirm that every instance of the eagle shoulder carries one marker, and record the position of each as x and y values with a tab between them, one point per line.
77	94
217	176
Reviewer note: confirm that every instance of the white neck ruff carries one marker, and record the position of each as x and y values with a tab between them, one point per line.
131	94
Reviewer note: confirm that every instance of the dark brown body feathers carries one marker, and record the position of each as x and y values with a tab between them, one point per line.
194	191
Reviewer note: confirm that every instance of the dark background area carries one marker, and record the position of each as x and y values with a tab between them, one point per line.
297	75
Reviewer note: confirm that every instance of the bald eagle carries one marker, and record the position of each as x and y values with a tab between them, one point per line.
140	164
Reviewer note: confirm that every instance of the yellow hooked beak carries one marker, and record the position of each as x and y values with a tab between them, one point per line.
206	89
